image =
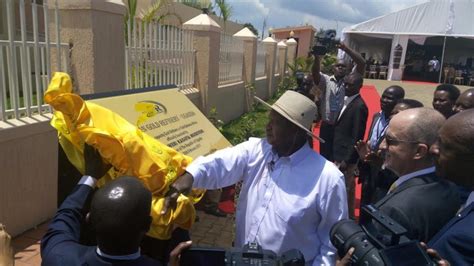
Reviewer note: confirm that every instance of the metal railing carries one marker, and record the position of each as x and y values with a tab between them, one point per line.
26	57
261	60
231	58
157	55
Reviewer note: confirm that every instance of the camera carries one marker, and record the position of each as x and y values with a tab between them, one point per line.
378	240
250	254
323	41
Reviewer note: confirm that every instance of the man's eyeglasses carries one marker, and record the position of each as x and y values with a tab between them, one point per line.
393	141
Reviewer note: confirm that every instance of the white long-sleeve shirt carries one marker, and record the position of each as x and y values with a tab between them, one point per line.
285	203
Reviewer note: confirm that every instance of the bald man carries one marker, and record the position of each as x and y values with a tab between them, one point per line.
464	101
119	214
454	153
418	199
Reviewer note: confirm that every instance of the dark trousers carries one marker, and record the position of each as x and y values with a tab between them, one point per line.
326	132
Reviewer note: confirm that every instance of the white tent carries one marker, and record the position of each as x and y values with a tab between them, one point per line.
380	36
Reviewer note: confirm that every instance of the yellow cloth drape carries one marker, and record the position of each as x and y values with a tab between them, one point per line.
128	149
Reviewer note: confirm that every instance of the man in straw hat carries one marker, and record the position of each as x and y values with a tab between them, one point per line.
291	196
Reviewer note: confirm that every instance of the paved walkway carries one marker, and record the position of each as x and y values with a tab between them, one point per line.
209	231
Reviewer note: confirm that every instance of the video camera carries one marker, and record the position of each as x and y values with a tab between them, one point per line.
378	240
323	41
250	254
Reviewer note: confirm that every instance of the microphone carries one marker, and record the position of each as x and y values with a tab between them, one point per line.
271	166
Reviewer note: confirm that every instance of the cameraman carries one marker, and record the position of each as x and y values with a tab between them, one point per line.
332	93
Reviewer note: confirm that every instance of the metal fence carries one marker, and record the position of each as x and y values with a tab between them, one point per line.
231	58
26	53
261	58
157	55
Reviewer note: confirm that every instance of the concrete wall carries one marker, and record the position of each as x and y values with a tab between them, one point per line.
28	183
229	101
304	36
95	32
261	88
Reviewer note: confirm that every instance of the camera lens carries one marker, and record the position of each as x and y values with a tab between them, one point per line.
346	234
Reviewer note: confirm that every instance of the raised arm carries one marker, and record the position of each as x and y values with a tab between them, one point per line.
358	59
316	69
65	226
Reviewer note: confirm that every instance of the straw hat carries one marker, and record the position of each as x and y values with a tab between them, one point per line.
297	108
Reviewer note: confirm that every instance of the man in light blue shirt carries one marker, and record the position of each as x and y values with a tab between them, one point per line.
291	196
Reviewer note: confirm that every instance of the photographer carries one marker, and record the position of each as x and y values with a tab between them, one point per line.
332	93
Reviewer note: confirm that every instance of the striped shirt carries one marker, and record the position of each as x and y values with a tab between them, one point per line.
332	98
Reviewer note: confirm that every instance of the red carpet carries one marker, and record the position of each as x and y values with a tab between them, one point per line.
371	99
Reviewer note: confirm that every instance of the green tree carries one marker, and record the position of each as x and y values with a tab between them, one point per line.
158	11
225	10
199	4
251	28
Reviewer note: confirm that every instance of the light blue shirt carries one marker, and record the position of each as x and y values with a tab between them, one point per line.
332	98
378	131
285	203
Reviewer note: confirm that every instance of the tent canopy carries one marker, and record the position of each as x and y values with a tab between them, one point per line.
436	17
445	18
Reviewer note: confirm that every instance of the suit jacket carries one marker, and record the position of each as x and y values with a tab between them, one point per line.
455	242
349	128
60	245
422	205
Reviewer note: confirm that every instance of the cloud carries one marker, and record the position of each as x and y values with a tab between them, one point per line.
319	13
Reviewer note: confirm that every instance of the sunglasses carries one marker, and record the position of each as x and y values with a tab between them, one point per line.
391	141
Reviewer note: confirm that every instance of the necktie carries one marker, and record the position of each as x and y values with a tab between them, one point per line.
392	188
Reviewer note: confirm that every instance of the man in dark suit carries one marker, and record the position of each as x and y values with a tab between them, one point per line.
418	200
454	152
119	214
370	173
349	128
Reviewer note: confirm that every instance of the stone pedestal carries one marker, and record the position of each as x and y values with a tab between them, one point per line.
270	63
282	55
94	30
249	62
206	44
291	54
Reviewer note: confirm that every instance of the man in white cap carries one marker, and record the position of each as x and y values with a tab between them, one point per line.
291	196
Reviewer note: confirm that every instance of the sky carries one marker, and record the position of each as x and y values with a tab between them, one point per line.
327	14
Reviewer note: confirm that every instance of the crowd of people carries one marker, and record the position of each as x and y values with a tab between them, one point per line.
416	166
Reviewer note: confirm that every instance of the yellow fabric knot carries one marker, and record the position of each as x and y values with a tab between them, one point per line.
129	150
